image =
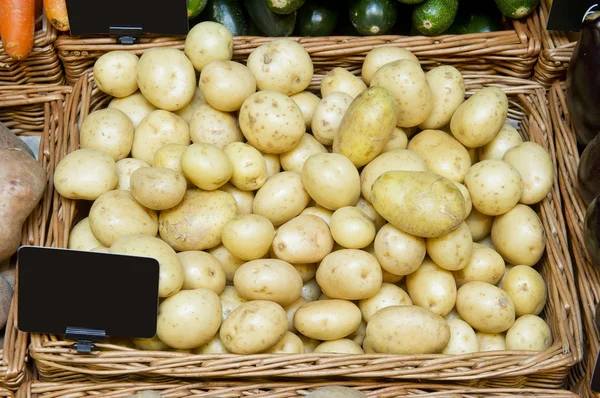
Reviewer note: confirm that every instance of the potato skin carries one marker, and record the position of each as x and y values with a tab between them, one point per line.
158	128
281	198
327	319
432	287
108	130
157	188
485	307
268	279
448	93
115	73
304	239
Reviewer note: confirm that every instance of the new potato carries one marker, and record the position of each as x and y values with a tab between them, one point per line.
85	174
290	311
485	265
206	42
480	224
389	295
367	208
432	287
307	102
82	238
108	130
491	341
537	171
158	128
202	270
380	56
115	73
207	166
466	196
328	319
399	253
399	140
281	198
351	228
268	279
187	112
463	339
244	199
328	115
453	251
230	300
341	346
508	137
485	307
339	80
135	106
527	289
226	84
157	188
448	93
248	237
303	239
249	169
530	333
211	126
289	344
294	159
311	290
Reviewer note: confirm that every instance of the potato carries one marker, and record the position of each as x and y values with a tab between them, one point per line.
432	287
422	331
125	168
367	126
115	73
335	392
228	261
253	327
214	346
198	221
399	253
406	81
340	346
157	188
202	270
391	278
328	115
85	174
135	106
304	239
206	165
463	339
351	228
432	206
289	344
443	154
189	319
537	171
530	333
479	224
153	344
399	140
359	335
226	84
495	186
108	130
249	169
331	180
171	276
387	296
399	159
452	315
169	94
527	289
211	126
268	279
519	236
319	211
290	311
208	41
307	102
281	198
367	208
380	56
309	344
508	137
294	159
244	199
116	214
477	121
311	290
466	196
82	238
491	341
448	93
453	251
327	320
281	65
485	307
485	265
507	268
339	80
157	129
187	112
230	300
273	164
248	237
306	271
349	274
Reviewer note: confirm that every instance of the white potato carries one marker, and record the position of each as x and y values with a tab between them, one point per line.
306	271
485	307
85	174
387	296
281	198
152	344
491	341
380	56
467	196
399	253
156	130
135	106
508	137
230	300
244	199
351	228
340	346
452	251
529	333
187	112
536	169
294	159
228	261
273	164
319	211
480	224
432	287
157	188
463	339
268	279
495	186
527	289
328	115
452	315
485	265
339	80
226	84
108	130
249	168
214	346
311	290
309	344
208	41
212	126
303	239
169	156
115	73
289	344
448	90
248	237
206	165
290	311
399	140
367	208
307	102
202	270
82	238
327	319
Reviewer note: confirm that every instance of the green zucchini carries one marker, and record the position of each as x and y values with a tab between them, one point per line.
434	17
315	20
195	7
475	23
284	7
267	21
373	17
228	13
516	8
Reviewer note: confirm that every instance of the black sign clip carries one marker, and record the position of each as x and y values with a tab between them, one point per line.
85	338
126	34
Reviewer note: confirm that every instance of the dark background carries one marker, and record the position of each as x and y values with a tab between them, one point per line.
568	14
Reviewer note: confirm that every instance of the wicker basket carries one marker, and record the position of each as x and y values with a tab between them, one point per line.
274	390
32	111
588	277
556	51
512	52
41	67
56	360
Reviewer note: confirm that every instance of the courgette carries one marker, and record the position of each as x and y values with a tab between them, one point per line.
516	8
270	23
228	13
195	7
434	17
284	7
373	17
475	23
315	20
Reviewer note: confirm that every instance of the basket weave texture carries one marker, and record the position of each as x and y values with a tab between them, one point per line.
41	67
31	111
57	361
275	390
511	52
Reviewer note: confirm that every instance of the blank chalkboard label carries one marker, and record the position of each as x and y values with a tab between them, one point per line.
569	15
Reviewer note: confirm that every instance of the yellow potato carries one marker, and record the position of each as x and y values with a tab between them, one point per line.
485	307
211	126
340	346
391	278
198	221
448	93
157	188
116	214
208	41
289	344
273	164
351	228
249	169
169	156
463	339
171	275
508	137
331	180
306	271
328	319
115	73
226	84
303	239
530	333
230	300
443	154
228	261
281	198
527	289
399	140
466	196
307	102
268	279
187	112
339	80
311	290
136	106
294	160
82	238
452	315
491	341
253	327
453	251
290	311
328	115
155	130
367	208
536	169
244	199
485	265
152	344
309	344
319	211
214	346
108	130
349	274
206	165
85	174
477	121
399	253
432	287
387	296
479	224
248	237
406	80
380	56
125	168
519	236
202	270
495	186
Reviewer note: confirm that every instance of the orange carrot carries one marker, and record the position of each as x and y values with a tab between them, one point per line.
56	12
17	27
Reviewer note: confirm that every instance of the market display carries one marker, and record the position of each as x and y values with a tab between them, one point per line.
288	223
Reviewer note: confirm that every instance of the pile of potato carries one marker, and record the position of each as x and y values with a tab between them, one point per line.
388	216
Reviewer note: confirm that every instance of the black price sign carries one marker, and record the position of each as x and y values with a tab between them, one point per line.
569	14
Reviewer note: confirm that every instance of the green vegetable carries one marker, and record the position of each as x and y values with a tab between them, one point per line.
228	13
315	20
433	17
284	7
475	23
516	8
267	21
195	7
373	17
